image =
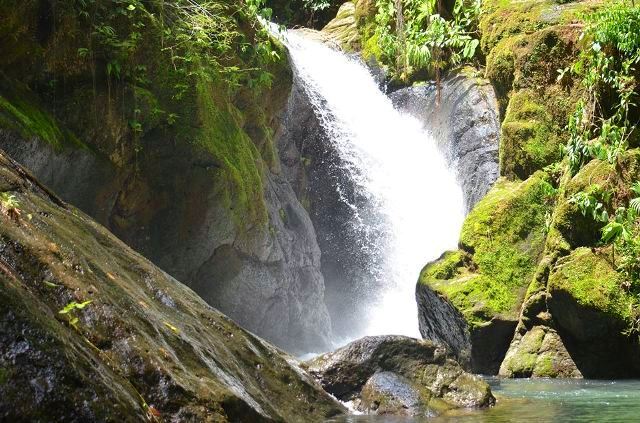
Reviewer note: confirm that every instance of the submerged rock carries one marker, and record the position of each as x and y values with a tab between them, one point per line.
92	331
398	375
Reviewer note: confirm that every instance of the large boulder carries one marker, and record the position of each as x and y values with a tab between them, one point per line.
92	331
525	44
398	375
481	287
466	124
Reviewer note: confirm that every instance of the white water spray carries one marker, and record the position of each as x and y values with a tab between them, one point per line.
396	165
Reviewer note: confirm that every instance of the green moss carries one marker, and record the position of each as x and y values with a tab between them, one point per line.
444	268
500	70
521	360
19	111
591	282
502	240
506	230
478	297
503	19
4	375
221	135
371	48
545	367
530	138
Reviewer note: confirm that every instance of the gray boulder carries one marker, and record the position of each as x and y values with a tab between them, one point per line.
398	375
92	331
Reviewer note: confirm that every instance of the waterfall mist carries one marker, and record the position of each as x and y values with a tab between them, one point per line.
404	206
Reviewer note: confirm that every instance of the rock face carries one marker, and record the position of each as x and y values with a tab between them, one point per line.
398	375
466	124
202	197
91	330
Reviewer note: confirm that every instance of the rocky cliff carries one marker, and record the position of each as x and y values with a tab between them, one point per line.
132	117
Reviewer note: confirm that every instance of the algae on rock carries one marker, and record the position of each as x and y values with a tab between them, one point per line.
144	346
486	280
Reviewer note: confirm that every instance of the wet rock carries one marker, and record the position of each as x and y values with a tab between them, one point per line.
398	375
389	393
92	331
466	124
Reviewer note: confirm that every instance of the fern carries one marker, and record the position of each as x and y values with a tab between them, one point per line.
635	204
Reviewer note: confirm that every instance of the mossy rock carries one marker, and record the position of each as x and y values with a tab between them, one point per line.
530	139
538	353
142	347
343	30
586	294
502	19
21	111
593	313
534	104
501	242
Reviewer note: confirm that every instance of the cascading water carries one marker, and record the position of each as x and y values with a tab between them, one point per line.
413	207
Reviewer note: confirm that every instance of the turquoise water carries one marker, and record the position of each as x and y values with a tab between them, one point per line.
546	400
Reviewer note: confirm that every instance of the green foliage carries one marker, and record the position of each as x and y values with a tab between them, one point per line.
9	201
74	306
201	39
600	126
424	39
70	310
593	202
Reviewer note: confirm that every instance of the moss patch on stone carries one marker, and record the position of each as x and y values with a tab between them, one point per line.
222	136
530	137
591	282
506	230
19	111
502	19
501	241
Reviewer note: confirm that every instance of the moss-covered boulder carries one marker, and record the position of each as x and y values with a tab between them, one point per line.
501	242
593	310
92	331
530	135
540	352
399	375
579	272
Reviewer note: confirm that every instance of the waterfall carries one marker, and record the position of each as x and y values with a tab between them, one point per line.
410	209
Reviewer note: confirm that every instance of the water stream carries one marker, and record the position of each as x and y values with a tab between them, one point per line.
413	206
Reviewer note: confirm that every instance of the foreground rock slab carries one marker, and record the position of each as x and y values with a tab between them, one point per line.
398	375
92	331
